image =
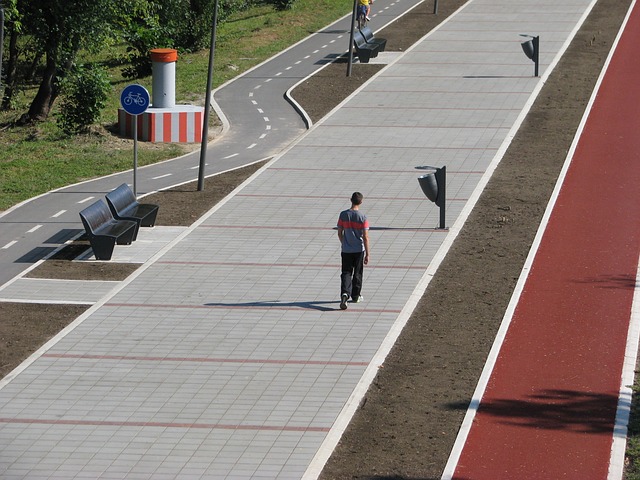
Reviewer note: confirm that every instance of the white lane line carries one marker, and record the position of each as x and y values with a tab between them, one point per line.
85	200
298	62
260	111
262	136
307	57
34	229
251	146
268	127
254	102
231	156
10	244
332	41
268	80
162	176
266	119
618	447
288	68
251	94
316	51
257	87
278	74
56	215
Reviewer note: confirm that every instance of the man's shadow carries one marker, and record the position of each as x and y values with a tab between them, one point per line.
317	305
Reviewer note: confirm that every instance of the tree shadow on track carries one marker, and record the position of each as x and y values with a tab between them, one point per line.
623	281
572	410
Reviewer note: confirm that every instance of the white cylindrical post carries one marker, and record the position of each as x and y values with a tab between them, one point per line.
163	91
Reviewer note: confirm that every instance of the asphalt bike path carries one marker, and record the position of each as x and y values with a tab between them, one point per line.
226	354
259	122
557	398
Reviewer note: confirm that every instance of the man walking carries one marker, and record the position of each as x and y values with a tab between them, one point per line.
353	232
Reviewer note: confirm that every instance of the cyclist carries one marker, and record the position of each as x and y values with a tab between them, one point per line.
364	8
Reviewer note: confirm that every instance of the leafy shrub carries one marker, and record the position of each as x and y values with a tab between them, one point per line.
84	95
180	24
141	38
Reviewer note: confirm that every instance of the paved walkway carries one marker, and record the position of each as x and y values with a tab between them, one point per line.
225	355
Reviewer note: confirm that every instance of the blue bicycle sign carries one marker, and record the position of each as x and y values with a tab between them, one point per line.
134	99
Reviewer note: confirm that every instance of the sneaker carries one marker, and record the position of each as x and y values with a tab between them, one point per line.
359	299
343	301
368	19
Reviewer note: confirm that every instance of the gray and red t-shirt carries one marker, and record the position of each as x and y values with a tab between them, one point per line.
353	223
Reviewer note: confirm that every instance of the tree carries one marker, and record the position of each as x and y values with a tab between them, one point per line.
12	26
181	24
61	28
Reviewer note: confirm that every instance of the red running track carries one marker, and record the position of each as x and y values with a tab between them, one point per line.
549	407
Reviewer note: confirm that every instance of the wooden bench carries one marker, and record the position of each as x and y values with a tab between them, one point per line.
124	206
104	231
364	51
371	40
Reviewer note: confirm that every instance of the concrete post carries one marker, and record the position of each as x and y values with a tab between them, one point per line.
163	91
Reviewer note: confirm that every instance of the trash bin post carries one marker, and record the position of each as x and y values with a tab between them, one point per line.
434	186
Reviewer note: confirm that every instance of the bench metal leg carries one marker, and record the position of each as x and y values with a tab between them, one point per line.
102	247
150	219
129	236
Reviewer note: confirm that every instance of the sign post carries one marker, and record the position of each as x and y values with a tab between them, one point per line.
351	35
135	100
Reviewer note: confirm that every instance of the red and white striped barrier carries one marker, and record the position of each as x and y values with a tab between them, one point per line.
178	124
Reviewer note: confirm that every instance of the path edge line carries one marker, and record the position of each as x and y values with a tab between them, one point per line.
625	395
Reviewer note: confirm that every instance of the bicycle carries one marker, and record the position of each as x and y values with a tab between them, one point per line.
361	17
134	98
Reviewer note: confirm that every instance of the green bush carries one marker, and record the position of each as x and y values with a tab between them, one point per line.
84	96
183	25
141	40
